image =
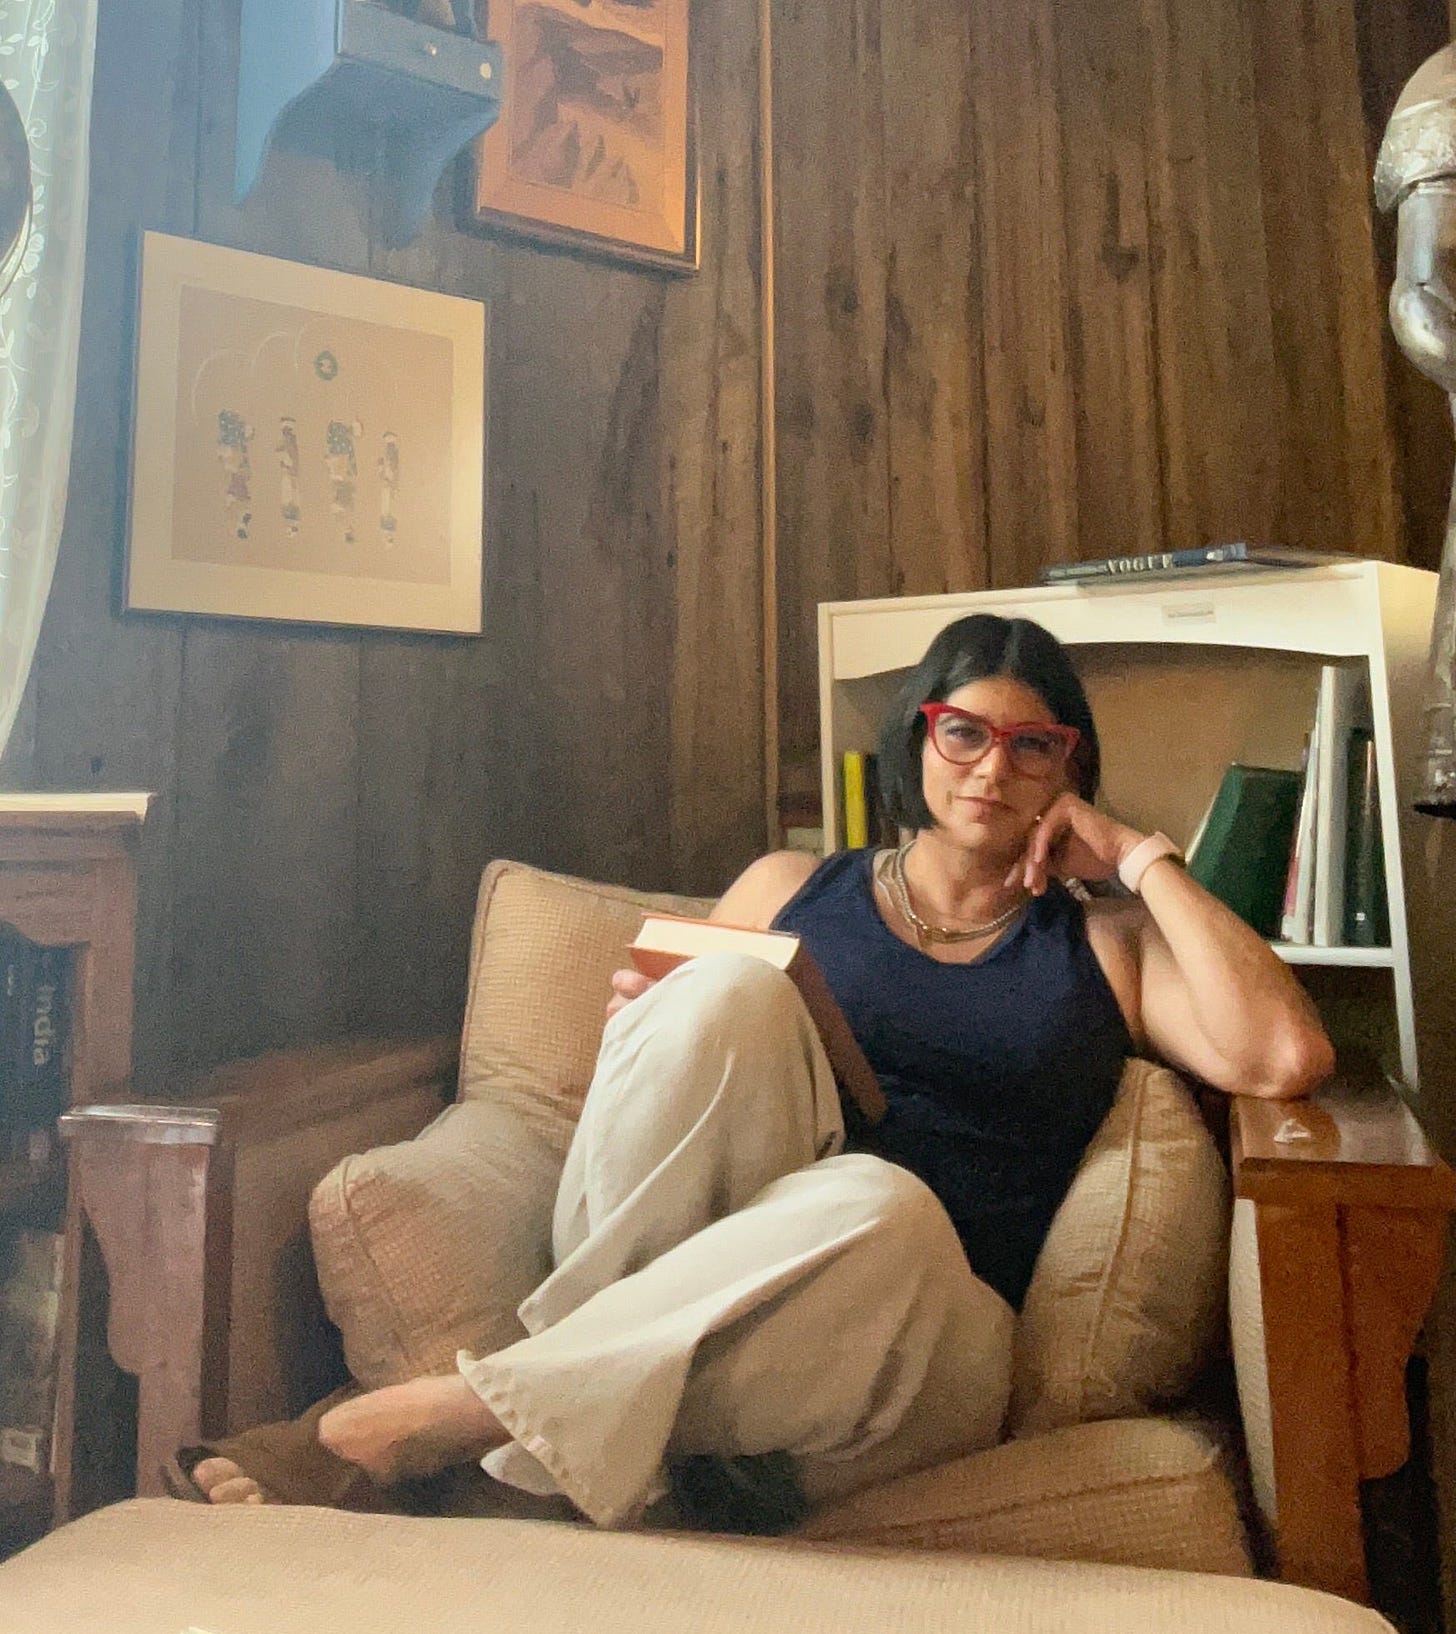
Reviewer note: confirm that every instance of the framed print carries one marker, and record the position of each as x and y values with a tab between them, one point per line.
594	145
306	445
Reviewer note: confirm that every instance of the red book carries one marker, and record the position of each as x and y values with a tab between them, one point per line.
666	941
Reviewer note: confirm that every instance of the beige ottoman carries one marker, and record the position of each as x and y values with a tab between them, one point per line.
154	1566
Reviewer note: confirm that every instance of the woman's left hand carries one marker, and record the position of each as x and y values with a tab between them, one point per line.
1072	840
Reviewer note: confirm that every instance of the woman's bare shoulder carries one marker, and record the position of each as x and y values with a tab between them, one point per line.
756	896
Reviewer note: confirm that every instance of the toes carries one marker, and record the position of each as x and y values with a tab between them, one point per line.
223	1482
209	1471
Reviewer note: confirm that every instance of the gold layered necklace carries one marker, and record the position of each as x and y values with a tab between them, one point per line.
925	931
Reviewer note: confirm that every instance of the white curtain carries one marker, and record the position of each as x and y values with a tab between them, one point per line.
47	49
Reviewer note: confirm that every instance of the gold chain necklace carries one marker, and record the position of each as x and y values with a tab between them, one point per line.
924	930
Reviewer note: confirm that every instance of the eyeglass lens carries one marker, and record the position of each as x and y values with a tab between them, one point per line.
966	738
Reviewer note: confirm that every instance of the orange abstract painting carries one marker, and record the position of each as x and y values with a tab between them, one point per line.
594	143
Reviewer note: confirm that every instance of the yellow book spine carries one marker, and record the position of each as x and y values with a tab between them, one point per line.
856	812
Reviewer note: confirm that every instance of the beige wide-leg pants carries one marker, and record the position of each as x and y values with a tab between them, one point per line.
728	1281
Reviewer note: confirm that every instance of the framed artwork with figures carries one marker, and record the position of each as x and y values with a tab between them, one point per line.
307	445
595	146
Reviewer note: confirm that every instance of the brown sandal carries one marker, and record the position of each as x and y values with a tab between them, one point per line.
288	1462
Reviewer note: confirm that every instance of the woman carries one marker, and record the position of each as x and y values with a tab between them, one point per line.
748	1313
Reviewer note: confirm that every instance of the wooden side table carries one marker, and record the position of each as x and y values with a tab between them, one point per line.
68	879
1348	1205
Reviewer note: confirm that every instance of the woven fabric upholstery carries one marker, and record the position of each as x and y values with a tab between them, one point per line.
542	954
428	1247
1251	1360
158	1567
431	1244
1127	1299
1135	1492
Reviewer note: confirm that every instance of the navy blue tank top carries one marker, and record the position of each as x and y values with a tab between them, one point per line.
997	1073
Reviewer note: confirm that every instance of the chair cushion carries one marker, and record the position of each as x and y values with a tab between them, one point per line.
1134	1492
1127	1301
153	1566
542	954
430	1245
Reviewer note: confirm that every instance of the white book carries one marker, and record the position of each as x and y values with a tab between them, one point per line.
1337	715
1297	924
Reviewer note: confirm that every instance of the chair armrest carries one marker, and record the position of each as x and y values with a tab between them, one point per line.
199	1213
1340	1217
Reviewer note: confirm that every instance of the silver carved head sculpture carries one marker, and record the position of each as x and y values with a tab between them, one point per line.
1415	175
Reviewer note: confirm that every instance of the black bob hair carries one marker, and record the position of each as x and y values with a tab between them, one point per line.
973	649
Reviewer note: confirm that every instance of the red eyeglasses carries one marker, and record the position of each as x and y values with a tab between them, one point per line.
1033	748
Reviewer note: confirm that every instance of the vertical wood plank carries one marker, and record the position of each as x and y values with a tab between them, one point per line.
1218	388
712	504
933	368
265	868
1337	489
768	471
1103	95
829	341
1030	424
580	467
1316	1460
1392	1265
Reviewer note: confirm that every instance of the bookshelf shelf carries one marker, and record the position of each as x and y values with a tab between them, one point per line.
1187	676
1358	958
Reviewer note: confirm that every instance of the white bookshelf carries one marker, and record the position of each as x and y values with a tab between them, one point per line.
1188	675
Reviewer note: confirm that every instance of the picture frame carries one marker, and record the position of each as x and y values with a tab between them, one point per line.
596	145
307	445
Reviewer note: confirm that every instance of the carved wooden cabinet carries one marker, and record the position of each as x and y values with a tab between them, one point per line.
68	880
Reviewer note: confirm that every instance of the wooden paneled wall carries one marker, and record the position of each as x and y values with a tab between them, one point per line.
326	799
1075	278
1064	277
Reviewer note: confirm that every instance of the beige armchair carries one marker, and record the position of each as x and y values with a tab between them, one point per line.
342	1169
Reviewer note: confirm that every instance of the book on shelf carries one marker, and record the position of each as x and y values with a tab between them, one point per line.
1335	717
854	784
34	1023
665	941
1235	556
1296	924
865	820
1242	855
30	1302
1366	907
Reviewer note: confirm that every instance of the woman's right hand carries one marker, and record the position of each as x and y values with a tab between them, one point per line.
626	986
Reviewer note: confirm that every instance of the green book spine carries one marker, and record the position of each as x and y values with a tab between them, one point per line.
1367	913
1243	855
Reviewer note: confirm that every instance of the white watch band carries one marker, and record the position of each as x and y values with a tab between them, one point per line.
1142	857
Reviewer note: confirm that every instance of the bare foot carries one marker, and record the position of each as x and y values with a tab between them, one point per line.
222	1482
412	1429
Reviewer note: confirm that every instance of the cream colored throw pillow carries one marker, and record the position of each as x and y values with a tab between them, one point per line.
429	1246
541	958
1128	1298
